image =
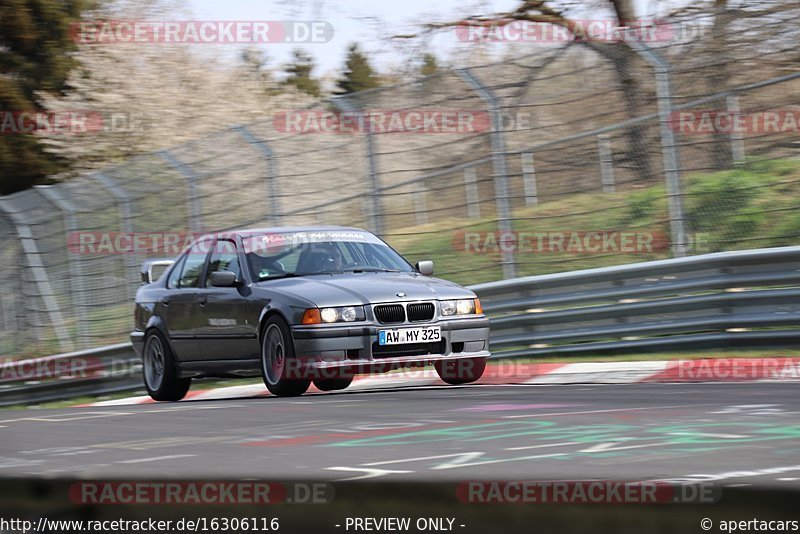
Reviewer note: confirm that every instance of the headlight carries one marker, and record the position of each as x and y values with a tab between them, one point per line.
345	314
329	315
460	307
448	307
349	314
464	307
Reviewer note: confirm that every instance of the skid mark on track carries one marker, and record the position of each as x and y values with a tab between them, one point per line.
156	459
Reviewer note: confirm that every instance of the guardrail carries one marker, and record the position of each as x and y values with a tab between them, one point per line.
738	299
91	372
729	299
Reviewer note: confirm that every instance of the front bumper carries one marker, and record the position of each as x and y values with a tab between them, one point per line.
355	347
137	340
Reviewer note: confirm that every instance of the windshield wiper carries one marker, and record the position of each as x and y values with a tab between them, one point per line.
278	276
281	275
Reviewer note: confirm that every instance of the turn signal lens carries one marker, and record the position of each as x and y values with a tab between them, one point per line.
478	307
311	316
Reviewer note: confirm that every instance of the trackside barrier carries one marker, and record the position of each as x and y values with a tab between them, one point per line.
90	372
728	299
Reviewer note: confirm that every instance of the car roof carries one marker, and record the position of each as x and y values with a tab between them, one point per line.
282	230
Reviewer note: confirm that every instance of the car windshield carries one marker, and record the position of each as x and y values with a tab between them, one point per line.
286	254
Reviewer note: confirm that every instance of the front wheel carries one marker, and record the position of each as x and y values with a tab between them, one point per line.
461	371
277	360
160	372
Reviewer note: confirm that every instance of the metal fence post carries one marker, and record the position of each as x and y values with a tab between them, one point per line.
473	198
276	215
193	197
669	147
737	140
14	320
500	173
529	179
77	287
122	199
37	270
375	214
606	163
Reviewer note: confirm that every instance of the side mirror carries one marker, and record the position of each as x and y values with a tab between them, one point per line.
424	267
223	279
153	269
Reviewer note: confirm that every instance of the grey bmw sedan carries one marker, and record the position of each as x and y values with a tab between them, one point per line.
301	305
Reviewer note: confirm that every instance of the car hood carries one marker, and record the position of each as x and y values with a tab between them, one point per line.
366	288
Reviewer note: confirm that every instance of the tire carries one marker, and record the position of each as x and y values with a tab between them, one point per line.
277	348
332	384
461	371
159	371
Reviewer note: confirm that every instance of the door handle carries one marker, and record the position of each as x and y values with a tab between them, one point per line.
202	301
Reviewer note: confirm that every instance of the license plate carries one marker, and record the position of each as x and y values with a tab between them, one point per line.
425	334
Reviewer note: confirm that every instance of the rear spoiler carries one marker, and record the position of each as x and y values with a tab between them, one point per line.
153	269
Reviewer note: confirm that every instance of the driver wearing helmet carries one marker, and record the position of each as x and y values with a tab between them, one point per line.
329	258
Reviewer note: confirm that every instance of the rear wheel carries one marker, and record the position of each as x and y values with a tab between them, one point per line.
160	372
278	360
461	371
332	384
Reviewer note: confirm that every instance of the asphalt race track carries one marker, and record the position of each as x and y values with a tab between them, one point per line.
734	434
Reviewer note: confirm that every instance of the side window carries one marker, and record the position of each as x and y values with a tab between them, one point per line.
193	265
175	274
223	258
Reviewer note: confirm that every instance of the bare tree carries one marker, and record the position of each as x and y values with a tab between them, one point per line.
621	56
